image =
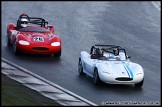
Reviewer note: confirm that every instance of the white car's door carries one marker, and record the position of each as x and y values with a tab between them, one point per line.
88	64
85	64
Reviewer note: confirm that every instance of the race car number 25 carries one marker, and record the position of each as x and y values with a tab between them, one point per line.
38	39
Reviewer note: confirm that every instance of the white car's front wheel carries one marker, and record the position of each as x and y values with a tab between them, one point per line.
139	84
96	78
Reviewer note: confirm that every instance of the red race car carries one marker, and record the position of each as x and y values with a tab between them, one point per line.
33	35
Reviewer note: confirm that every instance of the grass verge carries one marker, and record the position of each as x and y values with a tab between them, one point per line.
14	93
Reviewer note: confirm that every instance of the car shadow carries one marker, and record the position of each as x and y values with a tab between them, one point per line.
117	88
33	57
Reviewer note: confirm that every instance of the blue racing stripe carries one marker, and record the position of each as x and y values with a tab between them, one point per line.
128	69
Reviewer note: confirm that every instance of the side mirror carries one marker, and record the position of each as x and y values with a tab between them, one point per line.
93	56
128	56
51	28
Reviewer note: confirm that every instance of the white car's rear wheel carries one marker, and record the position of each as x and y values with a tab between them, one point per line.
80	67
139	84
96	78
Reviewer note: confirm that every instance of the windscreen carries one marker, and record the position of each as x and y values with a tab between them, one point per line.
34	29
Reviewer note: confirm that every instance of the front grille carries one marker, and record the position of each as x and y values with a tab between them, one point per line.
40	48
124	79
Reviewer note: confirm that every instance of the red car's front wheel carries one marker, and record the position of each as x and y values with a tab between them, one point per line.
8	42
15	50
58	54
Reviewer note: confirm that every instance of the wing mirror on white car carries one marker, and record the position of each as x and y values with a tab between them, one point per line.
128	56
93	56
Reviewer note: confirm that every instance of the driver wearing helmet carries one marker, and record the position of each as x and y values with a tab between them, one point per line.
100	55
22	21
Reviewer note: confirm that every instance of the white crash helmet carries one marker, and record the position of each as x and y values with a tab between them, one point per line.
122	56
23	22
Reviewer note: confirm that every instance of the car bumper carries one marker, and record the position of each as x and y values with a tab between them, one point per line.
112	79
37	49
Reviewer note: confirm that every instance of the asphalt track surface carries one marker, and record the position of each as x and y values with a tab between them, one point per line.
134	26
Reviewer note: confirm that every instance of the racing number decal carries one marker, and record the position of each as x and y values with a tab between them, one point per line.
38	39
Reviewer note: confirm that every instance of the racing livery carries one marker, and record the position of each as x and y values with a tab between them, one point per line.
33	35
110	64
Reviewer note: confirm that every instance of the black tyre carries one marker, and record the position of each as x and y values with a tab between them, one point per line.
139	84
80	67
96	78
58	54
15	49
8	42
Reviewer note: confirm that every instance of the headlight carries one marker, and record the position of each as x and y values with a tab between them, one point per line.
55	44
22	42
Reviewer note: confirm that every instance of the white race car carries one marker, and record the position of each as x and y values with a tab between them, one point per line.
110	64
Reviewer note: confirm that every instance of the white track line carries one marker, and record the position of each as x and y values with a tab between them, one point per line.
38	83
157	4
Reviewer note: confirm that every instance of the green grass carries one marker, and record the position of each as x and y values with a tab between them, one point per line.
14	93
